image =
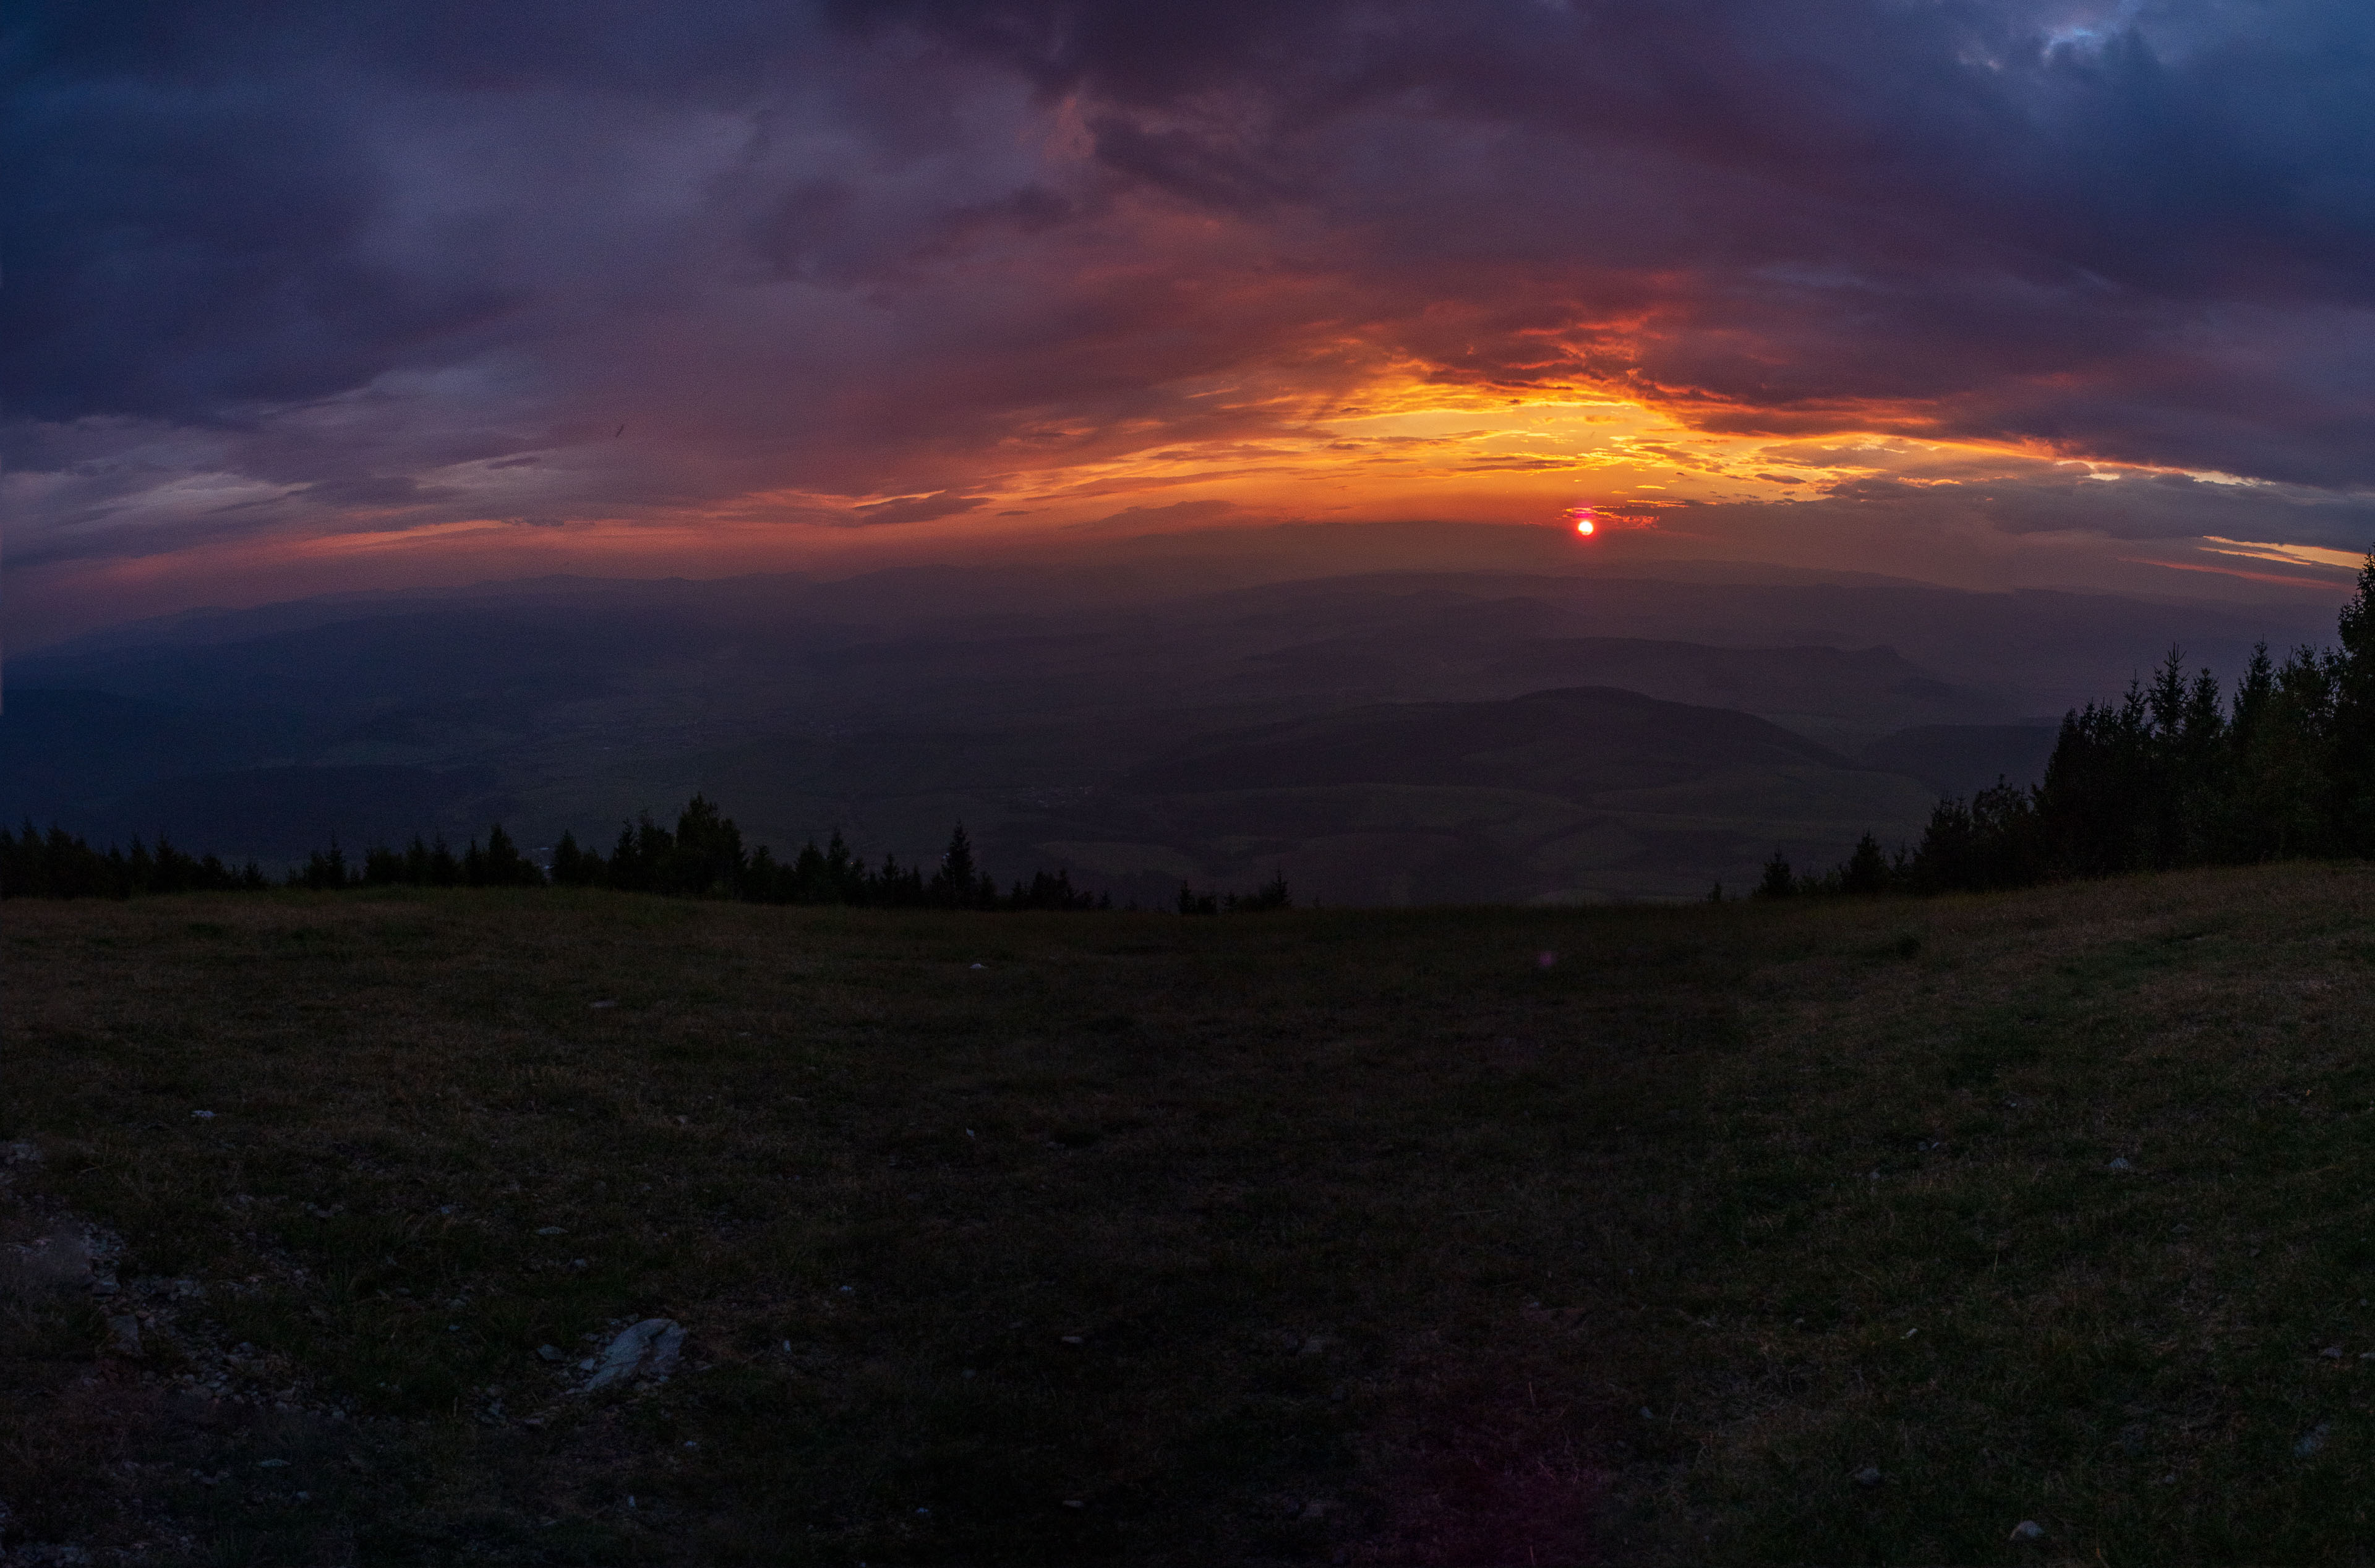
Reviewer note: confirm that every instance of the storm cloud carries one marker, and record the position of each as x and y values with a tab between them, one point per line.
288	270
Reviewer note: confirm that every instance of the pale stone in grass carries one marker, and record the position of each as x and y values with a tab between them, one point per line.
2121	1164
548	1352
2028	1529
123	1336
1868	1476
650	1348
2313	1439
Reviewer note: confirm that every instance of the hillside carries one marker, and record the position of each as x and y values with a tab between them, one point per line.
1564	795
1962	760
1437	1236
1015	698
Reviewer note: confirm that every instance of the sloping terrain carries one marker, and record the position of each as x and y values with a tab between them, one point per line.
1576	794
1834	695
1015	698
1568	795
1821	1231
1962	760
1572	743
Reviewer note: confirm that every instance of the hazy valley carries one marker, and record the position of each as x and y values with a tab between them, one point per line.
1419	735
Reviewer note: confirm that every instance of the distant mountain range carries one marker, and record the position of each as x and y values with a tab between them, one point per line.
1389	736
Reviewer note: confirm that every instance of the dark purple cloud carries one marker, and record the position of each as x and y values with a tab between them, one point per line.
2143	230
353	266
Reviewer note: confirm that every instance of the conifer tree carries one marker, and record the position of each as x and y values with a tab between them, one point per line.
813	882
705	859
504	865
1866	871
956	885
2351	744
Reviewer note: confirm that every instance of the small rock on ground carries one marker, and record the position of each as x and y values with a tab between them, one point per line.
650	1348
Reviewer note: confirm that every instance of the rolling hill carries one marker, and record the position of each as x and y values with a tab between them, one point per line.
1019	697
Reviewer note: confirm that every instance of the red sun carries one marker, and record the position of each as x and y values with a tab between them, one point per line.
1583	520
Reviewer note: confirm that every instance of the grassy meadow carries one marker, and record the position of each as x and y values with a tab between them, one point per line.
1839	1231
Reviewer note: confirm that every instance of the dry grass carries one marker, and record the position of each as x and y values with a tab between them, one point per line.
1329	1237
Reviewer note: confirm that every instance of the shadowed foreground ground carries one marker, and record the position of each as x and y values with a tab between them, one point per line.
1358	1237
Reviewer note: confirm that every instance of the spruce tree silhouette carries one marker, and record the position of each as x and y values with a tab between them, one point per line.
707	859
1866	870
957	884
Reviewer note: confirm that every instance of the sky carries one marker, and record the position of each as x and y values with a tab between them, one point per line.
297	298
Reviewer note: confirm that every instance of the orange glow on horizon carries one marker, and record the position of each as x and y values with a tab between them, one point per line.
1395	448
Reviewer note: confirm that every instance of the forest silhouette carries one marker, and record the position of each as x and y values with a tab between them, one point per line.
2175	774
703	856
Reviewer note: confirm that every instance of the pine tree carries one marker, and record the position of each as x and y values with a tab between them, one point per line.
504	865
707	859
844	871
1866	871
809	879
2350	762
568	862
957	883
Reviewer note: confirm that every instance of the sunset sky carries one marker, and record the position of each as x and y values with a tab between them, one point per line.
304	297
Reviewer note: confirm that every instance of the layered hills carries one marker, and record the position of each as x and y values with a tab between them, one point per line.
1380	737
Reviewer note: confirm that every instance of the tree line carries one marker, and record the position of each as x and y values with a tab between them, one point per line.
2174	773
1270	895
57	865
2177	773
703	855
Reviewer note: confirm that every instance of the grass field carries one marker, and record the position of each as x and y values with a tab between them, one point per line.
1840	1233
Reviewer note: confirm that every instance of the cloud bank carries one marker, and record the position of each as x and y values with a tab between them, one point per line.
279	276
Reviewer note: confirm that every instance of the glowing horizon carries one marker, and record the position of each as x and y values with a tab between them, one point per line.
859	272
